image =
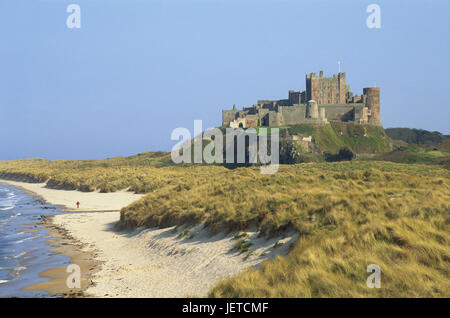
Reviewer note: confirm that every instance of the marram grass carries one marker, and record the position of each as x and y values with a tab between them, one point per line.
348	215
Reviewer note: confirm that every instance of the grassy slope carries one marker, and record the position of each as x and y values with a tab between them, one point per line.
410	153
349	215
134	173
333	136
445	146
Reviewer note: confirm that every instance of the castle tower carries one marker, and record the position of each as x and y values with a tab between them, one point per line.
372	98
312	86
312	109
326	90
342	89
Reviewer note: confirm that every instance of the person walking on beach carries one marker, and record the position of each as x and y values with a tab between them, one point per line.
78	204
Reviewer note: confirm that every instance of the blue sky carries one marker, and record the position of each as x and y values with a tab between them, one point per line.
137	69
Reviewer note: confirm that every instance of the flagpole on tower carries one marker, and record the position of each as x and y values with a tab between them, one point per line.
339	64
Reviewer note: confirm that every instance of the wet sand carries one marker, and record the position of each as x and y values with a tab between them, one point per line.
65	244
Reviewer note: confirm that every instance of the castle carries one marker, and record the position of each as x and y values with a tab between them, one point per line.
325	99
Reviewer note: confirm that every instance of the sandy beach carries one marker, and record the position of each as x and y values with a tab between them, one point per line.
66	199
170	262
152	262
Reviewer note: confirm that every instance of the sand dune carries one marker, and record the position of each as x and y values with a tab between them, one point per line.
89	201
162	262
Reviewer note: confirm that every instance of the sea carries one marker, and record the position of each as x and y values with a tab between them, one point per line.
24	252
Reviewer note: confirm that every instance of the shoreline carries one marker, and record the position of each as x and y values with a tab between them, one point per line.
60	240
177	261
66	199
63	243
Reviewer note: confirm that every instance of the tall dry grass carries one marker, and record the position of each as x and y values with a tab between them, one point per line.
348	215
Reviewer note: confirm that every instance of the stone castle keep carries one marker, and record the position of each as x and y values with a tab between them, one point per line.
325	99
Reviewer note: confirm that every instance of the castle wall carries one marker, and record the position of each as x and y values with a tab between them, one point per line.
293	114
263	117
337	112
360	114
228	116
297	114
275	119
251	121
322	113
